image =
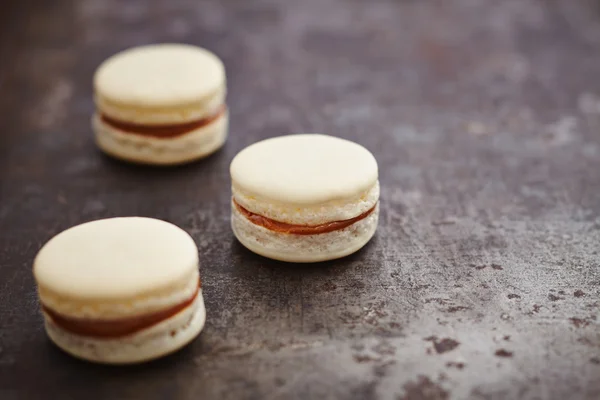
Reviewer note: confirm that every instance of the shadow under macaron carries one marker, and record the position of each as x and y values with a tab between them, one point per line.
137	166
55	355
251	259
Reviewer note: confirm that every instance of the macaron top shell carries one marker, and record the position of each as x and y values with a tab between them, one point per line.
305	169
160	76
107	268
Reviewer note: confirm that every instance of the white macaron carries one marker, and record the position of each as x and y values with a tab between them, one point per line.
120	290
304	198
161	104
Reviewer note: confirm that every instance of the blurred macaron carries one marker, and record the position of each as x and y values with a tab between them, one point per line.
161	104
120	290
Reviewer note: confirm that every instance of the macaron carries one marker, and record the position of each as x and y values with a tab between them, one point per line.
304	198
120	290
160	104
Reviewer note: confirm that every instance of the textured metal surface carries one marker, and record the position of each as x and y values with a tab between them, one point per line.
483	281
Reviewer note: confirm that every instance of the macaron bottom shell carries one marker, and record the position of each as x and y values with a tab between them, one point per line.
141	149
303	248
157	341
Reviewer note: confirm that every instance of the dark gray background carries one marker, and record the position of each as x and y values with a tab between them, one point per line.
483	280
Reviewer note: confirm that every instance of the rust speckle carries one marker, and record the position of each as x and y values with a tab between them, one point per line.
363	358
497	267
552	297
578	322
513	296
457	365
443	345
579	293
503	353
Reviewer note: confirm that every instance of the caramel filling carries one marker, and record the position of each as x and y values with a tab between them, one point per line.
284	227
162	131
106	329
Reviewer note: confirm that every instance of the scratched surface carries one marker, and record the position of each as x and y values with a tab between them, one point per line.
483	281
